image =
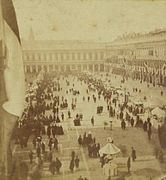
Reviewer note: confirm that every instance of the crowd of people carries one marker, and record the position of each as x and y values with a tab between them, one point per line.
43	116
87	140
119	105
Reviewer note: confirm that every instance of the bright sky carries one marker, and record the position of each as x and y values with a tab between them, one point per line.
98	20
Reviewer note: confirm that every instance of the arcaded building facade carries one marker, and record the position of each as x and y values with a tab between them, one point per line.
140	56
51	55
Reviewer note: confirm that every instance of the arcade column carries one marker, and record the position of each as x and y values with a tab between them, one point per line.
25	69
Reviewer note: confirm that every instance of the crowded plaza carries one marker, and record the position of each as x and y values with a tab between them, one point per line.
85	126
82	90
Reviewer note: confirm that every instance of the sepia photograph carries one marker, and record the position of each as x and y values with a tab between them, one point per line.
82	89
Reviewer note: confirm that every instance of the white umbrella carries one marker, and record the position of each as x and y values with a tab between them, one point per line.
109	149
158	112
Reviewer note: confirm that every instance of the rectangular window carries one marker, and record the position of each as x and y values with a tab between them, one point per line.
150	52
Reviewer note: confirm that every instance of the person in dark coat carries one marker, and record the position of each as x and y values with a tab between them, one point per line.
50	143
69	114
121	115
73	155
123	125
31	156
128	164
48	131
54	129
92	121
34	143
90	150
43	147
132	122
62	116
58	165
80	140
52	167
54	110
55	141
133	154
38	151
57	119
149	134
50	156
149	125
145	126
77	161
71	167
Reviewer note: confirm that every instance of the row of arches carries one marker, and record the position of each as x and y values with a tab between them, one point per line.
49	68
46	56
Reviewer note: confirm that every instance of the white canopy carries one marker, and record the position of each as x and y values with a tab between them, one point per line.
158	112
109	149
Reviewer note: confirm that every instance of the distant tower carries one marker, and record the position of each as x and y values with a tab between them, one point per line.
31	35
